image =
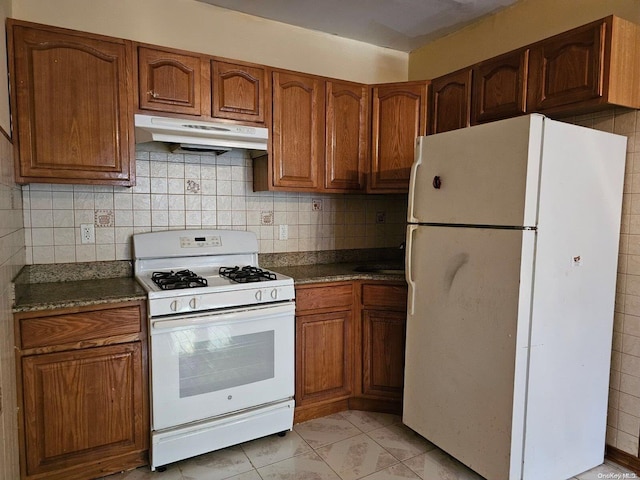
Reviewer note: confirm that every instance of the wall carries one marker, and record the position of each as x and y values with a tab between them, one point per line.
191	191
200	27
12	258
525	22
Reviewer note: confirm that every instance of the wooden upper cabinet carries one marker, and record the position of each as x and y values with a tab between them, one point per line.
587	67
500	87
451	101
72	106
398	117
347	136
171	82
239	91
298	131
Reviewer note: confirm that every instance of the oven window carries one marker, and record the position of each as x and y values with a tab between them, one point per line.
220	360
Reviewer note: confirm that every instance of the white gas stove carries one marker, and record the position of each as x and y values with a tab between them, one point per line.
221	341
203	253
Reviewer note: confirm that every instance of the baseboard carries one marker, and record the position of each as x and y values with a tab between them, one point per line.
623	458
316	410
376	405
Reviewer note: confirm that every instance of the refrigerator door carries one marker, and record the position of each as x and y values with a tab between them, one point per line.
467	342
483	175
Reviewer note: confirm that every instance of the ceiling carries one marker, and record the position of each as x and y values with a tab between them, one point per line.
398	24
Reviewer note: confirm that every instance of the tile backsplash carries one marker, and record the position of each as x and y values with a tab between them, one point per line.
176	191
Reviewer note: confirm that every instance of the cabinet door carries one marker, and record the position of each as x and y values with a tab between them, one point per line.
324	356
500	87
82	406
72	106
346	136
298	130
383	334
239	92
451	101
398	117
170	82
567	68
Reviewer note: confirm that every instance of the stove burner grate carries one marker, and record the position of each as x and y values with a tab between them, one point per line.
176	280
246	274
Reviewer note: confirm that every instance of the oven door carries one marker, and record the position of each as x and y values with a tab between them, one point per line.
211	364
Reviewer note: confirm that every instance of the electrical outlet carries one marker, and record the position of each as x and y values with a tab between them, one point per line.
284	232
87	233
316	205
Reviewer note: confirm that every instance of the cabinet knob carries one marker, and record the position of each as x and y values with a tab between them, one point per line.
436	182
153	94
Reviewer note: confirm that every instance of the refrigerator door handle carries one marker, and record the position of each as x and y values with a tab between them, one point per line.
407	268
412	180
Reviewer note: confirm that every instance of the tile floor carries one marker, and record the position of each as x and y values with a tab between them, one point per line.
345	446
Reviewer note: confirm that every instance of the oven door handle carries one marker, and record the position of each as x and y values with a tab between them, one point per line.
215	317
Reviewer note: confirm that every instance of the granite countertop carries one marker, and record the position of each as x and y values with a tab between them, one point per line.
332	272
52	295
45	287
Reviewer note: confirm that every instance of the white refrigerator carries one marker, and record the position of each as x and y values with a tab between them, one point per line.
512	248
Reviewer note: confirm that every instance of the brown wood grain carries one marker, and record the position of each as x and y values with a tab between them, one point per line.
170	81
451	101
398	117
79	405
347	136
568	68
84	400
383	340
500	87
322	297
78	327
324	356
391	297
298	130
239	91
72	105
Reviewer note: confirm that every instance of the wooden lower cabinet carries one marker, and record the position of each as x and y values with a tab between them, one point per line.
383	353
324	349
350	340
83	397
380	351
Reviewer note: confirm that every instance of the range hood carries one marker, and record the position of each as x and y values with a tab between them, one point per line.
199	135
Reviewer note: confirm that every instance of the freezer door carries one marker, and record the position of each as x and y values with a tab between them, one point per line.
466	346
484	175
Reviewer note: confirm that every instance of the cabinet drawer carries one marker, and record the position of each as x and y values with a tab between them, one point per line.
389	296
328	296
76	327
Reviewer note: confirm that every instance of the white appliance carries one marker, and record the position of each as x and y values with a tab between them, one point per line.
199	135
221	341
512	248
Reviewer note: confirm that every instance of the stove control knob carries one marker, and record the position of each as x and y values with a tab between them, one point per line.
174	306
274	293
193	303
259	295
